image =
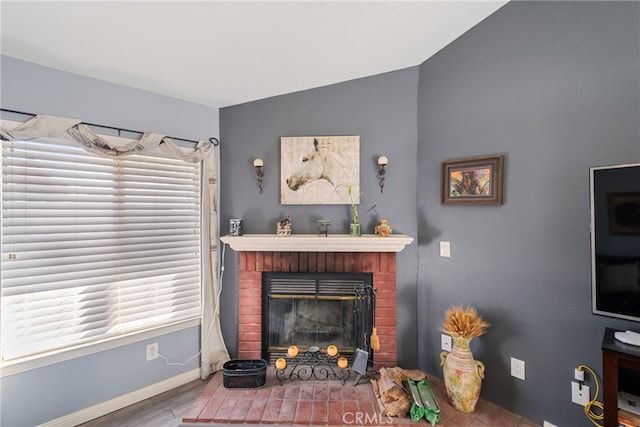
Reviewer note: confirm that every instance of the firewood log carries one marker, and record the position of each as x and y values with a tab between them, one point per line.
390	393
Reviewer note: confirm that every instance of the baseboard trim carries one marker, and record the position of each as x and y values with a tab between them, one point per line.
120	402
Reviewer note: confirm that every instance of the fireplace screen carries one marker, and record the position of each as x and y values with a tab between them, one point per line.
302	321
307	309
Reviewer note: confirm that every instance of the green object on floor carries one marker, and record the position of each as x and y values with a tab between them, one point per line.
424	402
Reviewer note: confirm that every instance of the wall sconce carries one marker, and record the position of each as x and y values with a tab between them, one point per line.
382	163
258	163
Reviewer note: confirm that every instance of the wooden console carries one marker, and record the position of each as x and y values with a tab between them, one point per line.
615	356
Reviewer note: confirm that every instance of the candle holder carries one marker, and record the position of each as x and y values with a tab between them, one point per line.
313	364
259	163
383	161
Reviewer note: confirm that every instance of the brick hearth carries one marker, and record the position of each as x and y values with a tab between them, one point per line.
253	264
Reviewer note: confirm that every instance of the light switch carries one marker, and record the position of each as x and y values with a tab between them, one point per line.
445	249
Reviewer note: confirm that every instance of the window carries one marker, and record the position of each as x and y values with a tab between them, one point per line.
94	247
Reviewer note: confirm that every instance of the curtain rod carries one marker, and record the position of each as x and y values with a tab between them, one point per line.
215	141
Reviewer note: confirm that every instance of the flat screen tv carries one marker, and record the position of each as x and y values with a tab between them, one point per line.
615	240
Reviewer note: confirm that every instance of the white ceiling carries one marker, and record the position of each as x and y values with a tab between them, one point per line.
222	53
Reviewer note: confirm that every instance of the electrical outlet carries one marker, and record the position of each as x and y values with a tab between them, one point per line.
445	342
579	395
517	368
152	351
445	249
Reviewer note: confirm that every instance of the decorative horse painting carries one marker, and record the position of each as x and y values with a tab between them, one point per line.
314	167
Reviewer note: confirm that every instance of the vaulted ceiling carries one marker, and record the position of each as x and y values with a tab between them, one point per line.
222	53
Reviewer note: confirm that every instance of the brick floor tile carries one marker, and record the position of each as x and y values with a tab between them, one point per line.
293	392
335	390
225	410
351	406
336	412
192	414
288	411
263	393
328	403
321	391
303	412
306	391
210	410
278	392
254	415
272	411
240	410
320	412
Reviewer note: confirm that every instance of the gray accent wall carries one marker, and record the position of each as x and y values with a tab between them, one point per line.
552	85
555	87
382	111
43	394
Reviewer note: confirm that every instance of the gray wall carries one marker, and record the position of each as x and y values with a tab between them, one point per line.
46	393
382	110
554	86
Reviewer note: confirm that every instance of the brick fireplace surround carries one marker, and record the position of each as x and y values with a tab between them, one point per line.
251	265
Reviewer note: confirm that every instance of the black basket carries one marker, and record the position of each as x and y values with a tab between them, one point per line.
249	373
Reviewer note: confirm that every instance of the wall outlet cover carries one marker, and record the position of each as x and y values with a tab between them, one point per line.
445	342
445	249
579	393
517	368
152	351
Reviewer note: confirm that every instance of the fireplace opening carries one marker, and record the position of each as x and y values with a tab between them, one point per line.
316	309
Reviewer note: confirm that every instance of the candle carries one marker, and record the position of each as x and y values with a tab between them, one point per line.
343	362
281	363
292	351
332	350
258	162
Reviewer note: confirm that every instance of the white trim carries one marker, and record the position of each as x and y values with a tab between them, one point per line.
26	364
315	243
120	402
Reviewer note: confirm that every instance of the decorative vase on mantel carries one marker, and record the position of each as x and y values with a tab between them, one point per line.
355	229
462	375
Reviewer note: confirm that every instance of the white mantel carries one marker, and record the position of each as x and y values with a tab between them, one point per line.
316	243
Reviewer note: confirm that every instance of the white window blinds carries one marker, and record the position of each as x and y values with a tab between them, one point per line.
94	247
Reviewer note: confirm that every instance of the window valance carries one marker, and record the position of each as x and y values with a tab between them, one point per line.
45	126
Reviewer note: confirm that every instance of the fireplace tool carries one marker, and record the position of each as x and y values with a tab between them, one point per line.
365	307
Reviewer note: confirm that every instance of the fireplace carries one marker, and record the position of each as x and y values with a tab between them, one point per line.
316	309
380	265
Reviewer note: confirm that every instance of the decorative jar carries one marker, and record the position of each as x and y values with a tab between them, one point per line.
462	375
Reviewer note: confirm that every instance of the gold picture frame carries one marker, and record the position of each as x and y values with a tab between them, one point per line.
472	180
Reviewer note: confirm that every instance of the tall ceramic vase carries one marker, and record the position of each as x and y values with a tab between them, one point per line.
462	375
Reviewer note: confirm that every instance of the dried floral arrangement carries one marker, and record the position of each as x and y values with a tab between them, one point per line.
460	322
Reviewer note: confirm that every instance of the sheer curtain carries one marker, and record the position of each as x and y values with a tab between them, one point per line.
213	350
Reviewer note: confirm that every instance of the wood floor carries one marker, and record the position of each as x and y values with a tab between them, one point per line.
167	410
163	410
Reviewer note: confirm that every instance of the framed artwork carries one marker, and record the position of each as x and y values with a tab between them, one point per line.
472	180
316	170
624	213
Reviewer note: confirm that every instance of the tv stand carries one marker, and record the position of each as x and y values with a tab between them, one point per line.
615	355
